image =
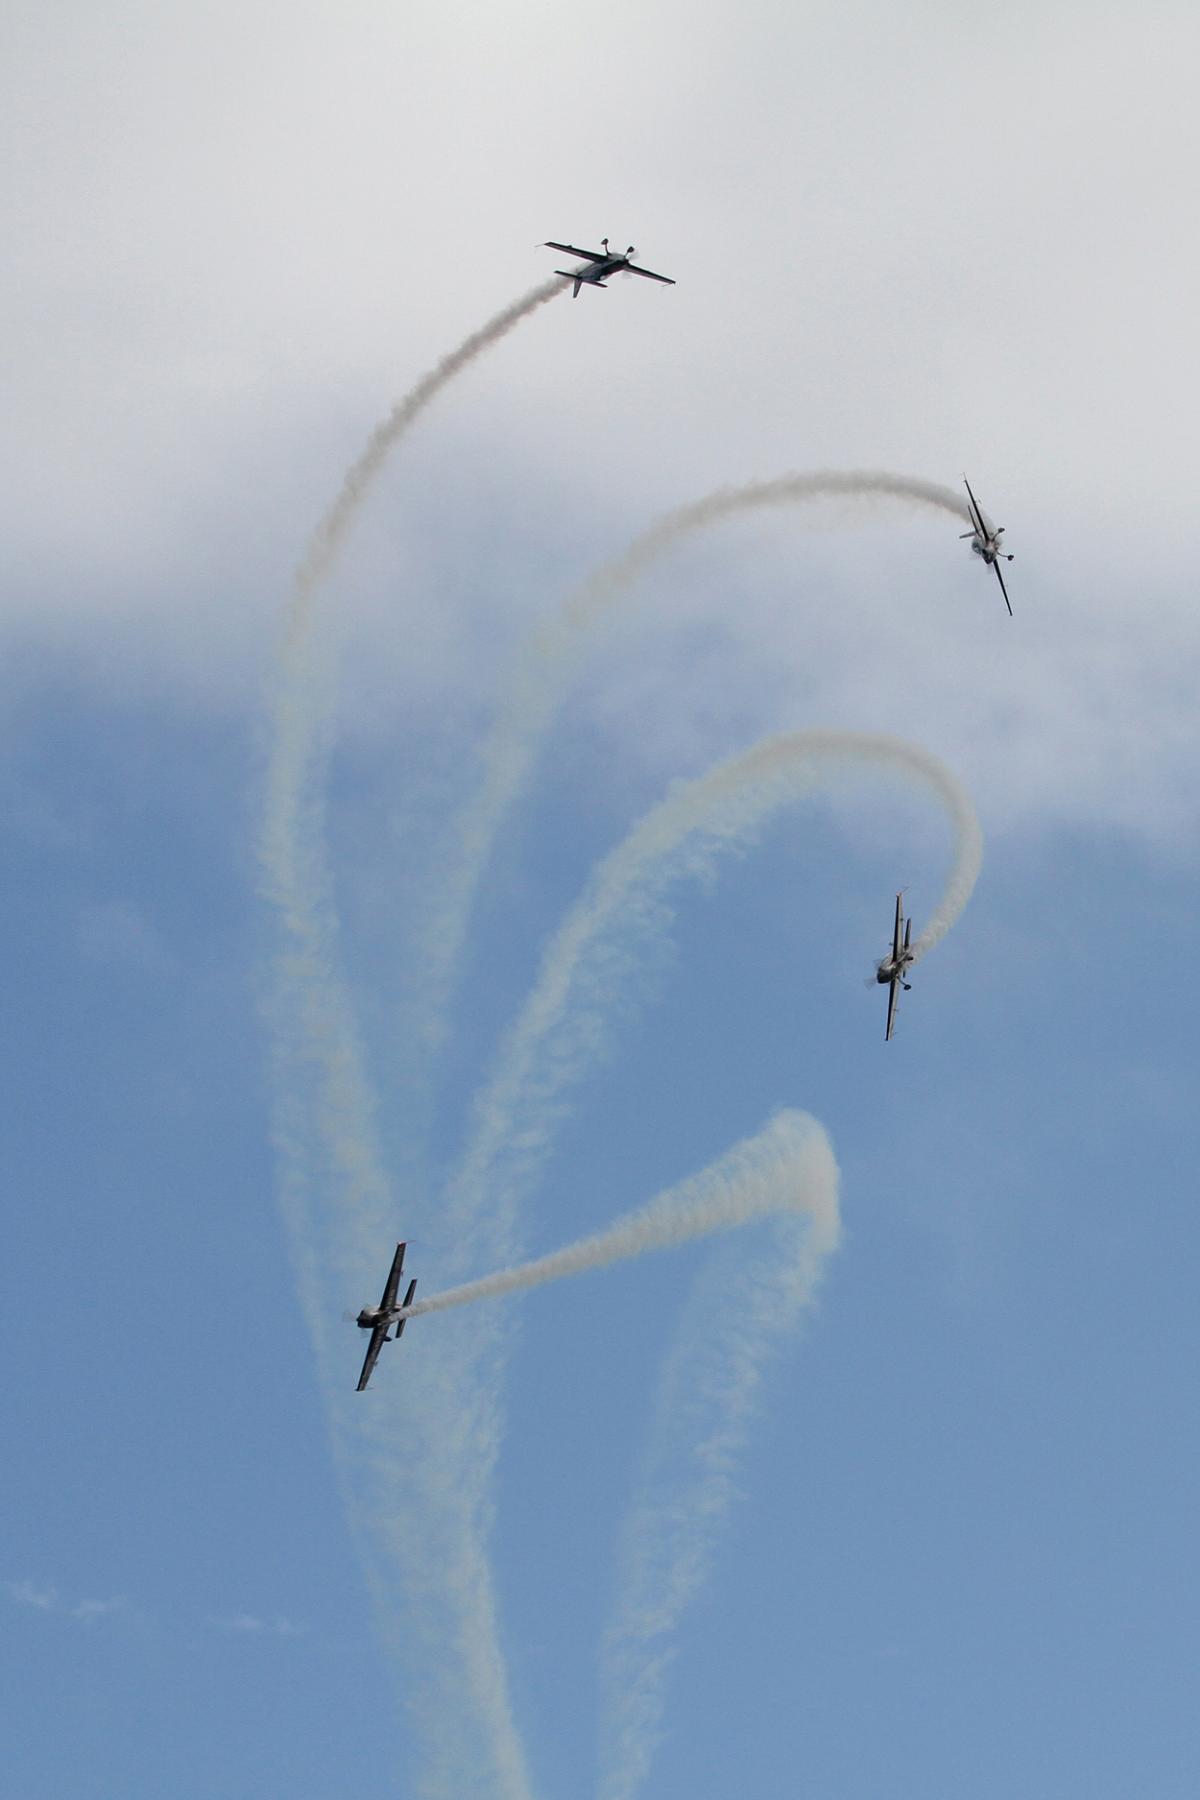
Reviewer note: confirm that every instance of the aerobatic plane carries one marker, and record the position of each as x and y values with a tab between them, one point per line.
598	265
378	1320
985	542
892	969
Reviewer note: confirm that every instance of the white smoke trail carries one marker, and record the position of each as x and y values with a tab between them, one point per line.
320	1078
550	659
326	1051
788	1166
598	593
331	532
706	1400
786	1173
561	1027
581	969
298	727
291	848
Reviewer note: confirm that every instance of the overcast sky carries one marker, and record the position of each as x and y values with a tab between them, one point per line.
956	1551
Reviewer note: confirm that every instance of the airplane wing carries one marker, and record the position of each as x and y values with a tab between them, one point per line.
898	929
1003	589
393	1281
893	1003
574	250
378	1340
634	270
976	515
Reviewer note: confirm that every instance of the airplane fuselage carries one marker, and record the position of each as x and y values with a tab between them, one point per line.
987	545
893	969
370	1317
598	272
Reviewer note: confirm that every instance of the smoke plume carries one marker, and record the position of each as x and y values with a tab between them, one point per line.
738	1317
438	1444
324	1117
787	1167
551	657
564	1021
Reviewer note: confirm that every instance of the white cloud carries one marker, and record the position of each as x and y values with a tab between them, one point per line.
27	1593
252	1625
90	1610
874	270
205	257
48	1600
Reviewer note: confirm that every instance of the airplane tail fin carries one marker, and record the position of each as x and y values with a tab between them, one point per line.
571	277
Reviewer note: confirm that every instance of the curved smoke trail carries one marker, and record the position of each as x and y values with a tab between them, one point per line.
330	534
786	1167
561	1027
550	658
291	848
324	1115
720	811
297	727
315	1042
706	1399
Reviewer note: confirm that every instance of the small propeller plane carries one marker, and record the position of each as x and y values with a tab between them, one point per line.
892	969
598	265
985	542
378	1320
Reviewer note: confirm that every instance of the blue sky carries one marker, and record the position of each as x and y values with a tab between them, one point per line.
959	1559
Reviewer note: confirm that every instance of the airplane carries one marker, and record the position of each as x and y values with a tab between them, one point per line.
985	542
892	969
379	1319
599	264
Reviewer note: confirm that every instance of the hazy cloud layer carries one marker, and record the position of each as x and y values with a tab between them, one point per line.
212	290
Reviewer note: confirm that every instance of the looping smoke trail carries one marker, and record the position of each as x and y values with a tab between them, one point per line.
310	1008
561	1027
316	1048
548	664
297	881
723	810
787	1167
706	1399
598	593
